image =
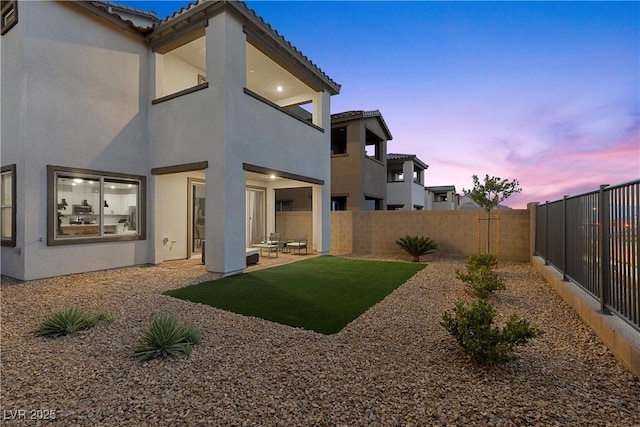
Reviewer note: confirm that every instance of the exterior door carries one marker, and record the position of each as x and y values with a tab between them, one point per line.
256	215
196	216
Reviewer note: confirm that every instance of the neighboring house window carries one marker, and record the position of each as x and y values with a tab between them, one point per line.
338	140
88	206
417	176
373	146
339	203
7	205
9	15
284	205
396	176
372	203
417	207
394	207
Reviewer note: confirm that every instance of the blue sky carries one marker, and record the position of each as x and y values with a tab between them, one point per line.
544	92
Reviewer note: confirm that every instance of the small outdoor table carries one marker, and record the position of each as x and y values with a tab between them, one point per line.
271	248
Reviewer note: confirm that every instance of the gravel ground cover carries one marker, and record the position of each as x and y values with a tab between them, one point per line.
394	365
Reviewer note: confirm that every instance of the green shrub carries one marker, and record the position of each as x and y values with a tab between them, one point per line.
68	320
481	282
479	261
473	329
417	246
167	336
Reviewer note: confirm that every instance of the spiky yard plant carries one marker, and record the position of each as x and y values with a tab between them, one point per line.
417	246
167	336
70	319
473	328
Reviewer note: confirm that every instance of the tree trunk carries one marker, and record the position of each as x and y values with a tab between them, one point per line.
489	231
415	258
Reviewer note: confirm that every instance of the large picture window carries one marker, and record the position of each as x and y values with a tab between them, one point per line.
91	206
8	205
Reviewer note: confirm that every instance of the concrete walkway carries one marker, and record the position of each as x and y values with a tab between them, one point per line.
265	262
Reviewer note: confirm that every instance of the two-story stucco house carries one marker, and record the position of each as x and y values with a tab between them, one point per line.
443	197
131	140
405	182
359	160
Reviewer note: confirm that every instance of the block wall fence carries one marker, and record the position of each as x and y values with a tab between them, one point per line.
457	233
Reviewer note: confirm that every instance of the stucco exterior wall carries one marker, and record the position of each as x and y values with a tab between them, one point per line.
102	80
406	192
353	173
176	74
12	81
417	195
345	168
227	127
70	56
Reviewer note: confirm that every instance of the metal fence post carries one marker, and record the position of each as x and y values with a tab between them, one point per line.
603	248
564	238
546	233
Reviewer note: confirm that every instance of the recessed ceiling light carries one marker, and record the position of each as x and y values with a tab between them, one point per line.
113	187
273	176
279	88
251	71
77	180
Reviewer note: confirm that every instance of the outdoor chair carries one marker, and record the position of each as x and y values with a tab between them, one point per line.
274	239
298	244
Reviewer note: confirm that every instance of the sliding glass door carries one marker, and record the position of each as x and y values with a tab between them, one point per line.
256	215
197	217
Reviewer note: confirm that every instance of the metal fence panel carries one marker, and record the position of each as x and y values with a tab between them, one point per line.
555	229
541	231
593	240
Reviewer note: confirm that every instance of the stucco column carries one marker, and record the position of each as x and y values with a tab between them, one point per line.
321	218
154	214
407	170
271	209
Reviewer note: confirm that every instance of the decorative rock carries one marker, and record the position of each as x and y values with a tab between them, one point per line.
394	365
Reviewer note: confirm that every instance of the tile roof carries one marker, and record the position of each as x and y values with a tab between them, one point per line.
250	14
194	7
108	6
441	188
398	156
361	114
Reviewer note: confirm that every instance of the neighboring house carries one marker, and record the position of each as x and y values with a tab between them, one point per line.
358	161
131	140
405	182
442	197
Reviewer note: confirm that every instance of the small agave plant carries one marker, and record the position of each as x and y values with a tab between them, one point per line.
69	320
167	336
417	246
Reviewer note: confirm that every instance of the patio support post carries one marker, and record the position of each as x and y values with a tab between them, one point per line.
603	248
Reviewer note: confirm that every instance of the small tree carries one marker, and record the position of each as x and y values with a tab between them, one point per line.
490	193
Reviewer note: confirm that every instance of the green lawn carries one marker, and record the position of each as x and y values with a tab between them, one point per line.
323	294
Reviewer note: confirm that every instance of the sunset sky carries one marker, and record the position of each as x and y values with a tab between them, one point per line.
544	92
